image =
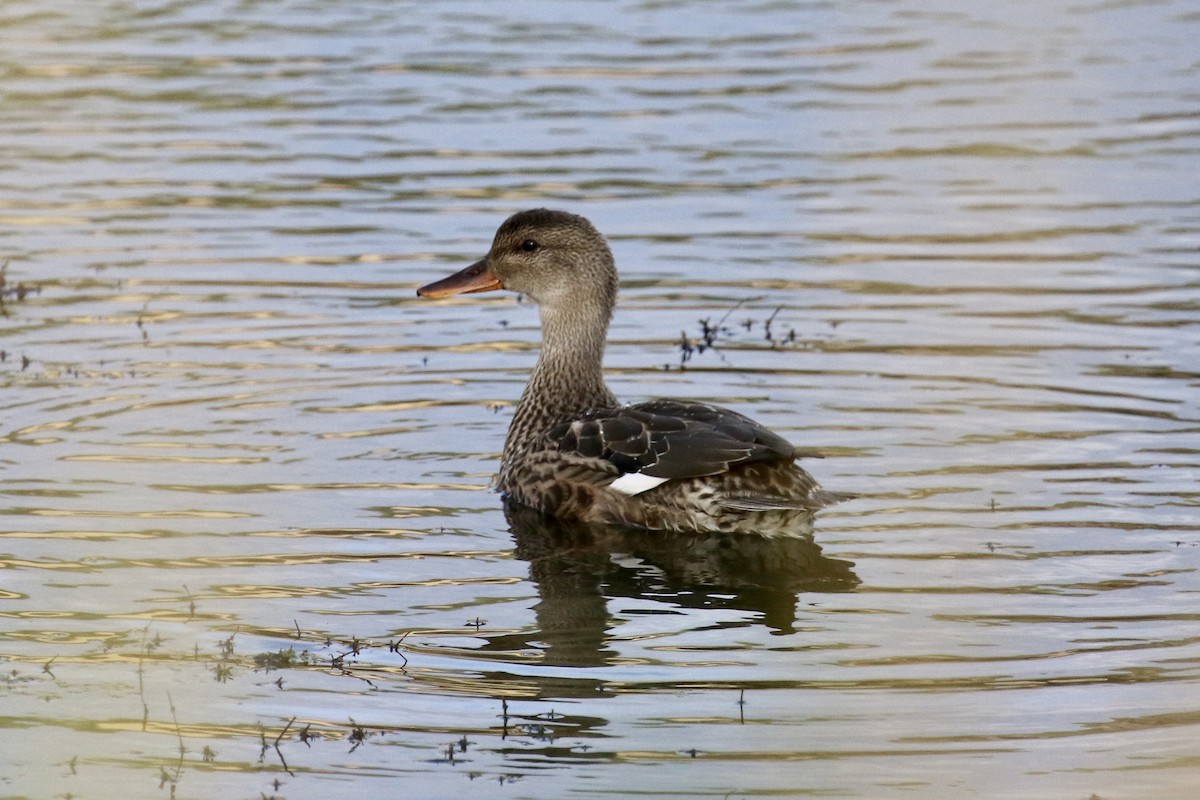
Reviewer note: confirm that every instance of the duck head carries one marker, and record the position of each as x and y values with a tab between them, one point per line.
555	258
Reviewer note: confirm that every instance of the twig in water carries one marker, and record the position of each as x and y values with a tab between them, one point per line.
191	603
167	777
279	752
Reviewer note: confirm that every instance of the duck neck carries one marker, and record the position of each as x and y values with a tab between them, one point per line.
569	376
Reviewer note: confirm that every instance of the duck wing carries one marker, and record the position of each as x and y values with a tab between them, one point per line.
663	440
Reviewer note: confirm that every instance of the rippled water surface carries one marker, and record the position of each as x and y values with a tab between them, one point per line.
247	543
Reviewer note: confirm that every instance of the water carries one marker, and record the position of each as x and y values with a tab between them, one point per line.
247	540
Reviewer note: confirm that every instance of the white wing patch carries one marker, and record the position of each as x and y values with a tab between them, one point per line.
632	483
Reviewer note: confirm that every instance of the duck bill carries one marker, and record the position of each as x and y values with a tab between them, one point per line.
476	278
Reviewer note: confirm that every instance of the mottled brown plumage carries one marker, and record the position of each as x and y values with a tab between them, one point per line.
572	451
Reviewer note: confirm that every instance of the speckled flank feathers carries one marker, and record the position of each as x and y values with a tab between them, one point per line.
705	468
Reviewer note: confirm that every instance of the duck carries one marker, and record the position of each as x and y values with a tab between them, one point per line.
575	453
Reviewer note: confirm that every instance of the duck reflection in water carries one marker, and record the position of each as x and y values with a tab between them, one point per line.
577	567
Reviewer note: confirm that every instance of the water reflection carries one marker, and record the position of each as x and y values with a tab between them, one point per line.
577	568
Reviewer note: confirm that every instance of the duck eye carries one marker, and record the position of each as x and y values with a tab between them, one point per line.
529	245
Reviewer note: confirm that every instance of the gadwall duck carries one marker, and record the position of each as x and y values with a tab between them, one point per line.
574	452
